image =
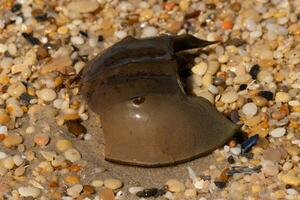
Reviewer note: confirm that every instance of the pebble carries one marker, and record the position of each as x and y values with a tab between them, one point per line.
97	183
265	76
174	185
75	190
77	40
41	139
134	190
106	194
213	67
236	150
254	71
76	128
287	166
16	89
72	179
2	155
272	155
8	163
229	97
46	94
278	132
29	191
4	189
12	140
150	192
83	6
149	31
269	168
266	94
63	144
72	155
200	68
260	101
282	97
190	193
113	183
249	109
289	179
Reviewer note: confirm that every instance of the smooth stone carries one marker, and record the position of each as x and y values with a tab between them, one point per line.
229	97
249	109
112	183
63	144
287	166
149	31
174	185
190	193
272	155
83	6
46	94
242	79
260	101
293	150
236	150
106	194
75	190
41	139
134	190
269	168
16	89
200	68
29	191
282	97
277	132
12	140
289	179
72	155
8	163
97	183
265	76
213	67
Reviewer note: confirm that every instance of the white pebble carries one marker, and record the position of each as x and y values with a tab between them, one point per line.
29	191
236	150
200	68
249	109
112	183
75	190
223	58
3	130
46	94
149	31
77	40
199	184
255	34
278	132
134	190
120	34
3	48
213	89
292	191
72	155
2	155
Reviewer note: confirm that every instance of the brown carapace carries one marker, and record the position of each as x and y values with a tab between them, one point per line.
147	118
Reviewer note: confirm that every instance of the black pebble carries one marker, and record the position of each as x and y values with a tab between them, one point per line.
42	17
230	160
25	99
266	94
16	7
242	87
100	38
254	71
220	184
218	81
83	33
150	192
32	40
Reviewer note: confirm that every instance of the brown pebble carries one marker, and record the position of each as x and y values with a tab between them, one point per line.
277	115
2	137
223	176
42	53
88	190
272	155
236	7
174	26
76	128
106	194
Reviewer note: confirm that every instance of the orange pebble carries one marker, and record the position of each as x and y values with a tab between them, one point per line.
227	25
169	5
41	139
232	143
2	137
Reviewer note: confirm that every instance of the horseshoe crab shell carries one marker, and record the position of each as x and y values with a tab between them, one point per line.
147	118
